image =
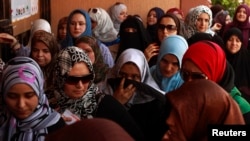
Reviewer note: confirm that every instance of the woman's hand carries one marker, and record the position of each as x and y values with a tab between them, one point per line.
151	50
124	94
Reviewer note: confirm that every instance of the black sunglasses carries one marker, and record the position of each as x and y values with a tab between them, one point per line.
73	80
186	75
170	28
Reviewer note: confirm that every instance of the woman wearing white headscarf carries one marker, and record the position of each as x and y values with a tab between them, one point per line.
118	13
141	96
26	114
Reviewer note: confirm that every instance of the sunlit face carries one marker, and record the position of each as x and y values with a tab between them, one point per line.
241	15
130	71
169	65
62	32
76	91
87	48
175	132
233	44
21	100
152	18
123	15
202	22
162	34
41	54
77	25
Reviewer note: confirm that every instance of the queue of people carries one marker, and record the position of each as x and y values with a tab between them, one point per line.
106	76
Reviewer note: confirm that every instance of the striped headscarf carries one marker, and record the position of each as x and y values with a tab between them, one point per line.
86	105
27	71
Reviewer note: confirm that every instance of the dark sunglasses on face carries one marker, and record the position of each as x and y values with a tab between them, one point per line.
192	75
170	28
75	79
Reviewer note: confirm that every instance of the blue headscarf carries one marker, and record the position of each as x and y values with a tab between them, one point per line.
26	71
69	40
177	46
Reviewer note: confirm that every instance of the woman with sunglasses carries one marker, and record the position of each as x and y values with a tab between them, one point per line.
25	113
166	72
196	107
167	25
90	46
206	60
76	95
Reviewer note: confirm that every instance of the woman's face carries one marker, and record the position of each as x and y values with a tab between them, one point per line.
76	85
130	71
123	15
88	49
202	22
152	18
175	132
21	100
77	25
166	31
241	15
41	54
169	65
190	71
233	44
228	19
62	31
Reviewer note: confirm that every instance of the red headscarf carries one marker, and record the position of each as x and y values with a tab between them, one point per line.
209	58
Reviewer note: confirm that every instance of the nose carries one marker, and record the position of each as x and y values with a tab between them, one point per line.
21	103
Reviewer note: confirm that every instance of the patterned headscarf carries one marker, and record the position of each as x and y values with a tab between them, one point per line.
86	105
177	46
69	40
99	66
193	16
27	71
104	30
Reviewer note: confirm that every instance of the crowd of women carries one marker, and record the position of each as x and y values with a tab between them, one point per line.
108	76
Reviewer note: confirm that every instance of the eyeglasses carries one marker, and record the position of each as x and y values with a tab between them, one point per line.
192	75
73	80
170	28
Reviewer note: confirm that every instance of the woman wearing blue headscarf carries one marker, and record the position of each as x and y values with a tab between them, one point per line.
166	72
78	25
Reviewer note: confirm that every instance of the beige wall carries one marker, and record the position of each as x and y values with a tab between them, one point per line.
60	8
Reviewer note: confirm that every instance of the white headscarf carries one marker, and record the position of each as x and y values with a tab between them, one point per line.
39	24
104	30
